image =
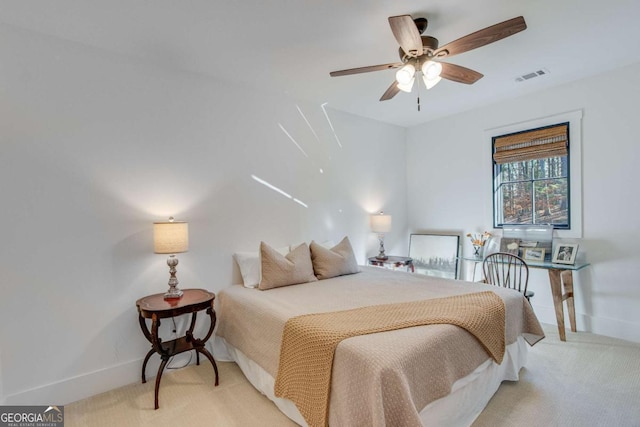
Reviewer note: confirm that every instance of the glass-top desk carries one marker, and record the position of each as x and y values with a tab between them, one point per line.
561	281
475	260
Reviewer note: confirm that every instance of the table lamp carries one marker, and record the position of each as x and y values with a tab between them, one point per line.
381	223
171	237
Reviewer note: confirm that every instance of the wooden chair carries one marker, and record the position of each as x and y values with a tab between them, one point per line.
507	270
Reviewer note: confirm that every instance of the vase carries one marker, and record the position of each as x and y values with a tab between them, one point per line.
477	251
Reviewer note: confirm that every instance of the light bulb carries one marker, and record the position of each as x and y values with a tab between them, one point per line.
405	74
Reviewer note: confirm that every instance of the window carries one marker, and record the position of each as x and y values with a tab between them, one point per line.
531	179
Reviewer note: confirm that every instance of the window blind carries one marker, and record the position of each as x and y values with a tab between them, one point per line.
551	141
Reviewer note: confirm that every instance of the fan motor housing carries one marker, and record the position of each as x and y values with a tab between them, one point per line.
429	45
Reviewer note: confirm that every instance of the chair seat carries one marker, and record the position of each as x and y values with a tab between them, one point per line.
529	294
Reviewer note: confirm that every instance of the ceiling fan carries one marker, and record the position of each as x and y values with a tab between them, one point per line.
421	54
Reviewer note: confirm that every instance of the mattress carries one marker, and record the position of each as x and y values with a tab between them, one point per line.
400	377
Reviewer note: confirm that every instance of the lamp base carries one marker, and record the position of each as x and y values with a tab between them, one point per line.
173	293
381	255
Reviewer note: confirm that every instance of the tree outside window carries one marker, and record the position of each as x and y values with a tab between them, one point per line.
534	187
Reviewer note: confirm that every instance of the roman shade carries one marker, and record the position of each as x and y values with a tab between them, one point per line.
550	141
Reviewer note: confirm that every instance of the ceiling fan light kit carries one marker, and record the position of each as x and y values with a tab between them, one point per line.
430	70
422	53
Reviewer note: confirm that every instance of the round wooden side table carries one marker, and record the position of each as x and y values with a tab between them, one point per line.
155	307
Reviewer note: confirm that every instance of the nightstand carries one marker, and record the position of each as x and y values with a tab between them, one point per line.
393	262
155	307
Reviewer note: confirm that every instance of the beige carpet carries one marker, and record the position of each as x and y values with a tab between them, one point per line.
588	381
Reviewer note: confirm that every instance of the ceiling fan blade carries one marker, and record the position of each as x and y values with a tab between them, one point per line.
407	34
390	92
366	69
483	37
459	74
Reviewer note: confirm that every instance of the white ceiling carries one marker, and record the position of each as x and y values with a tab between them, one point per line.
291	46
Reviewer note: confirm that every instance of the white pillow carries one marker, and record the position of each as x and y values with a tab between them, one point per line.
249	264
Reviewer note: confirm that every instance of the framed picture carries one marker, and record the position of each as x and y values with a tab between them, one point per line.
565	253
509	245
435	254
533	254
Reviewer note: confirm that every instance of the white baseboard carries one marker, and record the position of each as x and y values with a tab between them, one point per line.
598	325
83	386
100	381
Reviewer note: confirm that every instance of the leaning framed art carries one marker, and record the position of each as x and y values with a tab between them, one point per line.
435	254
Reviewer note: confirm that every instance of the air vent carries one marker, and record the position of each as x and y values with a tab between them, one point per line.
534	74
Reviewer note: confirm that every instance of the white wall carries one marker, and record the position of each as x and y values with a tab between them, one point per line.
449	186
95	147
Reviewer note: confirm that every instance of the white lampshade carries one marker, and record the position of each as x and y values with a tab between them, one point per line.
380	223
429	83
405	74
406	87
171	237
431	73
431	69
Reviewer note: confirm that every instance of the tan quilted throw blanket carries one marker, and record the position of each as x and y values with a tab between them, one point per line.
309	341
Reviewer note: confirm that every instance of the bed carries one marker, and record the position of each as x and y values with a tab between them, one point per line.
424	375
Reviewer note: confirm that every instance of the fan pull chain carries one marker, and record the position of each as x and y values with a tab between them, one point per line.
418	91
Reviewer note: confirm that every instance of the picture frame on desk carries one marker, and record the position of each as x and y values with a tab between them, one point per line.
509	245
565	253
533	254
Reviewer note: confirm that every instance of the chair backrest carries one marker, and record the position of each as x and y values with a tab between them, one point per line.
506	270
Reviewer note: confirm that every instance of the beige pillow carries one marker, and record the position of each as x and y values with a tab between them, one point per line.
333	262
283	270
249	264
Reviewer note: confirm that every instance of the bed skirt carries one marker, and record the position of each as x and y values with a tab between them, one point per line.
469	395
